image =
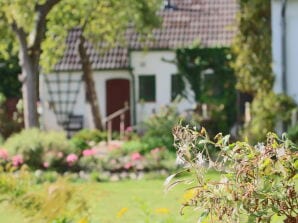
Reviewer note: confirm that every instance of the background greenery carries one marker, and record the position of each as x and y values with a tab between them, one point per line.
213	81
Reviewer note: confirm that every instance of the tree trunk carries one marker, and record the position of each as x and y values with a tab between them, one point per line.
89	84
29	91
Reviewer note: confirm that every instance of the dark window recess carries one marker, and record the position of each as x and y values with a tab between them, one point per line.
210	85
147	88
177	86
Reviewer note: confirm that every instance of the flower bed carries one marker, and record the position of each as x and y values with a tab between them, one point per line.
99	160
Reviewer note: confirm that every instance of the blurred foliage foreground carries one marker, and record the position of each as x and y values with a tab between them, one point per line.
252	184
58	202
257	183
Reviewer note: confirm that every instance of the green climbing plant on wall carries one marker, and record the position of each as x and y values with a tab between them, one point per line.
212	81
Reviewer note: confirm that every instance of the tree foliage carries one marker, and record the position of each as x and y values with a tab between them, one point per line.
252	47
9	71
38	28
23	26
267	110
103	23
252	65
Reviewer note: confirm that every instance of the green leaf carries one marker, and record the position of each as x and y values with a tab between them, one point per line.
251	218
203	216
296	164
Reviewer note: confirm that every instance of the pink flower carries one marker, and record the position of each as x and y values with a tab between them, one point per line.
3	154
71	159
113	162
17	160
60	154
136	156
155	151
127	166
89	152
46	165
129	129
114	145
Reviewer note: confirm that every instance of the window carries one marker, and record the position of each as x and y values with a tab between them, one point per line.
147	88
177	85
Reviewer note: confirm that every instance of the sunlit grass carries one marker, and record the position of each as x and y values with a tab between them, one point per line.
125	201
128	201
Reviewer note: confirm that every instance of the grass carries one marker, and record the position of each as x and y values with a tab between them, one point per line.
126	201
142	201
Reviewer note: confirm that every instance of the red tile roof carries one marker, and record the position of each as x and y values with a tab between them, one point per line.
209	22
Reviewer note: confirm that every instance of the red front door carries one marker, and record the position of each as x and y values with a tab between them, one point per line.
117	93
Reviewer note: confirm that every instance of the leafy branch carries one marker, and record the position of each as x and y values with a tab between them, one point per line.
255	183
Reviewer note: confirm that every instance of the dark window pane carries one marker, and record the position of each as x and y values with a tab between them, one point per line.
147	88
177	85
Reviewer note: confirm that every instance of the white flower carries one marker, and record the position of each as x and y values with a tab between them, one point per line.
260	147
224	180
280	152
200	159
211	164
183	148
179	161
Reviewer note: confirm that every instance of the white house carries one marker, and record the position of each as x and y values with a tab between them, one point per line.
144	79
285	46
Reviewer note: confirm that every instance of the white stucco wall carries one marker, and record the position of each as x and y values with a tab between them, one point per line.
291	48
155	63
143	63
49	121
48	118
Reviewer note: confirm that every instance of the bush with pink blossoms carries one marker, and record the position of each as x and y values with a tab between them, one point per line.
17	160
71	159
37	147
136	156
4	154
89	152
46	165
156	152
130	134
86	138
128	165
129	129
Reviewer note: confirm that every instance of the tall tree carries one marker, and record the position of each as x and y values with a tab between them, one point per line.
24	23
27	23
252	47
105	22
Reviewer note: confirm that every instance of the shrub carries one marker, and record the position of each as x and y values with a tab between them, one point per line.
52	203
45	176
267	109
256	183
84	138
160	158
132	146
158	128
133	161
38	148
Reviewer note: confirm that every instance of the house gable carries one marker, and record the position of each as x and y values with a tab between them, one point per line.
207	22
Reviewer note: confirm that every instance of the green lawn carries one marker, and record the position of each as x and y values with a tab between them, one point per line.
142	201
